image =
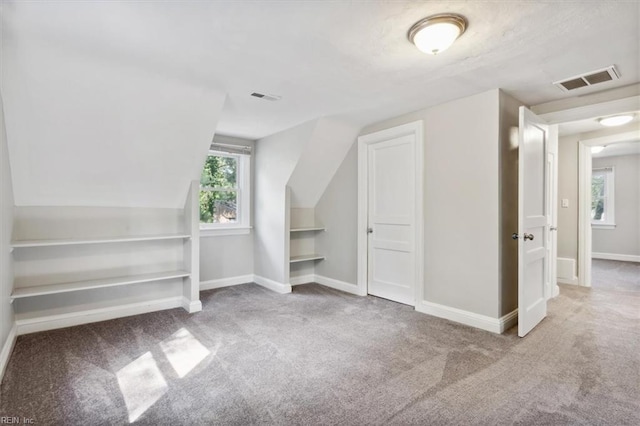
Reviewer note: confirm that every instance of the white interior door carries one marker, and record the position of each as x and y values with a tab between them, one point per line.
391	219
533	227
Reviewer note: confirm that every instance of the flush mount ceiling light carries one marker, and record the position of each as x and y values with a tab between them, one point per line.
437	33
616	120
596	149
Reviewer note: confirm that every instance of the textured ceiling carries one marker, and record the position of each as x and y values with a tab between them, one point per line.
341	58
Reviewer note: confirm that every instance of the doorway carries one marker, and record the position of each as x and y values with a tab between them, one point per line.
609	228
390	217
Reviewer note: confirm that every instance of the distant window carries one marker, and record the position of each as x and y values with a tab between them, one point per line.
225	191
602	192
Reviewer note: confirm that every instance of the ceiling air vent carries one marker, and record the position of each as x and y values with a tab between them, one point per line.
589	79
266	97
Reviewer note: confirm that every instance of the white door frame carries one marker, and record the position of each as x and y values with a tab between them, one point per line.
584	199
416	129
584	210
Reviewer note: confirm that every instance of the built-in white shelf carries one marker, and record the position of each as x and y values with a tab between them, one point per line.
98	240
306	258
307	229
41	290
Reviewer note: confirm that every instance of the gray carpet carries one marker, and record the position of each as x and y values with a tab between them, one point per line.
319	356
615	275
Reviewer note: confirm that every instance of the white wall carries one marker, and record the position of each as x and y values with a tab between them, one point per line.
229	255
463	197
276	157
6	226
337	210
624	239
568	189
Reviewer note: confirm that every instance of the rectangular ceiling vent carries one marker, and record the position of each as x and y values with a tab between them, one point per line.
266	97
588	79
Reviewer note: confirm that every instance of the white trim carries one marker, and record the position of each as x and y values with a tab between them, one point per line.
582	112
340	285
584	214
302	279
226	282
272	285
615	256
51	322
573	281
219	232
415	128
191	306
7	349
603	226
483	322
511	319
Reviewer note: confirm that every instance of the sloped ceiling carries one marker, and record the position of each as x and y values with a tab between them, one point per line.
91	123
323	153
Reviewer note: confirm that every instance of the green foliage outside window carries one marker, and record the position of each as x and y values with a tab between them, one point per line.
218	190
597	196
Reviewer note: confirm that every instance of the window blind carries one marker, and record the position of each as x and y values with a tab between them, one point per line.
230	149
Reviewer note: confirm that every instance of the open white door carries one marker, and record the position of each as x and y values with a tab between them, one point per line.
532	236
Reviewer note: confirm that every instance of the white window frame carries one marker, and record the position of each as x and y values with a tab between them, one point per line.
609	221
243	180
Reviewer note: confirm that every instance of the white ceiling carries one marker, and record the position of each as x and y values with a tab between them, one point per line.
589	125
342	58
623	148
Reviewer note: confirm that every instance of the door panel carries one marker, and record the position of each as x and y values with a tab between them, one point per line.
533	254
391	242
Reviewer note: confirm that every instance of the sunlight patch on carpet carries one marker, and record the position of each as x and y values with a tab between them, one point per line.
183	351
141	384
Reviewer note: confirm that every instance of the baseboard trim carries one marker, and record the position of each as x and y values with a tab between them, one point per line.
302	279
509	320
225	282
51	322
483	322
339	285
566	281
614	256
191	306
272	285
7	348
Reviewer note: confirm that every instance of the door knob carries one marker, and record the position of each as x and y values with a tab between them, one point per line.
369	230
553	228
526	236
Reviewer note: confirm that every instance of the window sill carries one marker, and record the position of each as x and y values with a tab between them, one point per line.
603	226
219	232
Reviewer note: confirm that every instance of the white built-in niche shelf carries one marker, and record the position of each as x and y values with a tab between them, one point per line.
306	258
56	250
98	240
41	290
308	229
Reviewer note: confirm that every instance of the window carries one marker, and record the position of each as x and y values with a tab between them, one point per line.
225	193
602	192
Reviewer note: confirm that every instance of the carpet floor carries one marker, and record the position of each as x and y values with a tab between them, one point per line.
320	356
615	275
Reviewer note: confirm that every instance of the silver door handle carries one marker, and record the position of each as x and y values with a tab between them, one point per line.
553	228
369	230
515	236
